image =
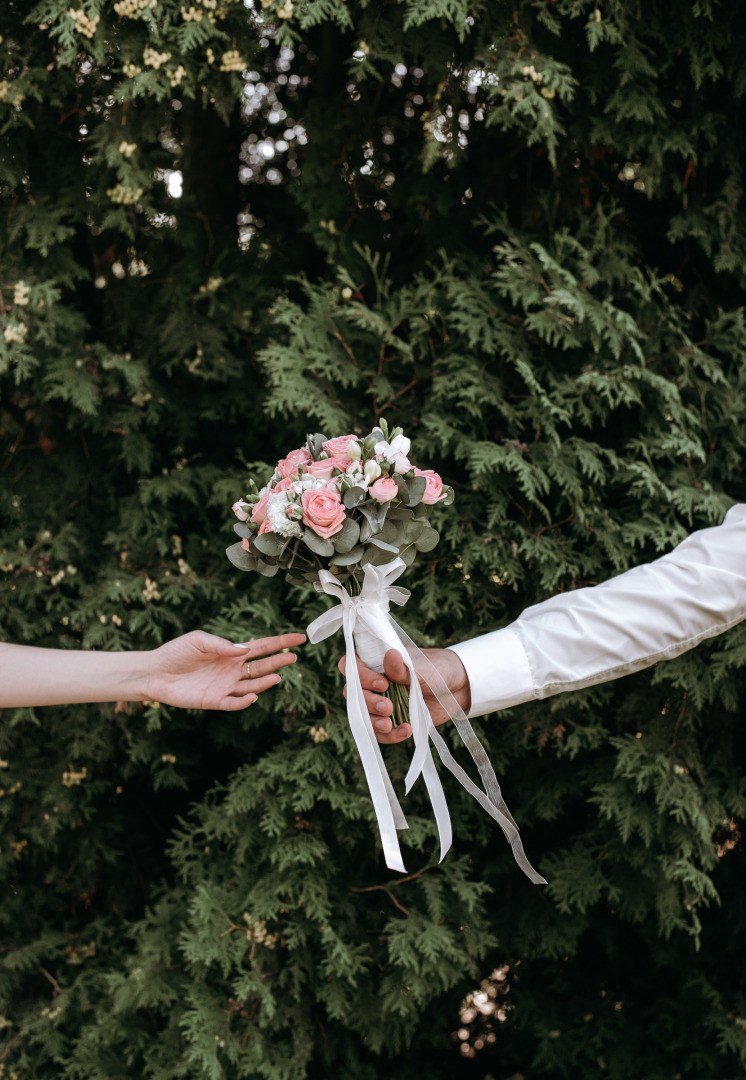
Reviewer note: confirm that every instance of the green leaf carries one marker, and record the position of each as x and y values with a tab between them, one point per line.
383	545
349	535
417	486
267	569
390	532
268	543
376	555
242	530
450	496
317	544
354	496
408	554
415	530
240	557
315	444
427	540
292	577
348	558
401	483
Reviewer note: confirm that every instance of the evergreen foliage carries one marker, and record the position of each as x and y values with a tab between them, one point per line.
517	231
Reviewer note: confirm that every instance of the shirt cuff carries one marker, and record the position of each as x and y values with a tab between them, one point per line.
498	671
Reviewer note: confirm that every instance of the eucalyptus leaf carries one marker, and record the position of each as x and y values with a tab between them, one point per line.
450	496
417	486
408	555
353	497
400	513
292	577
242	530
428	539
269	543
402	486
315	444
414	530
318	544
240	557
267	569
375	555
390	532
348	536
366	531
384	546
348	558
375	514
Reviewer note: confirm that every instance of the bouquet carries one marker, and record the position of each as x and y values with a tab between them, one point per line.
350	514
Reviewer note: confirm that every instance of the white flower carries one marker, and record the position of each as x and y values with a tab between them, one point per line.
354	476
372	470
277	515
396	452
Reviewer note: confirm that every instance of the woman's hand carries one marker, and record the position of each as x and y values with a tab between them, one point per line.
196	671
202	671
380	708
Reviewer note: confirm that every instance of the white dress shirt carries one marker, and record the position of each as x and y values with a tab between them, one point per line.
650	613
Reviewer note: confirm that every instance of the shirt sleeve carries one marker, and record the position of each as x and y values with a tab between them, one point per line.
653	612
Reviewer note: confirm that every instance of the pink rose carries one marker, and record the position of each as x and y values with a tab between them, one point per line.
322	470
283	484
245	545
265	527
289	465
338	447
323	511
241	509
434	489
259	513
384	490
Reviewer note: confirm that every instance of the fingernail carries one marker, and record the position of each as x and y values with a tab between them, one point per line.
380	725
379	684
382	706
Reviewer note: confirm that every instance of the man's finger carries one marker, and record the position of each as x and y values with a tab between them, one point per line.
396	735
395	668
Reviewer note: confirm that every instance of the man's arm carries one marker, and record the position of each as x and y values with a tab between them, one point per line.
653	612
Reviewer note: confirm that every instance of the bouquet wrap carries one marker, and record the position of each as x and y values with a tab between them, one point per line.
369	628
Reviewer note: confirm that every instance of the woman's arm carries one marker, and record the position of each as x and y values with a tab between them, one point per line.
195	671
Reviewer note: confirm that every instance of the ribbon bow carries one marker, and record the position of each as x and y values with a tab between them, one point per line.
367	624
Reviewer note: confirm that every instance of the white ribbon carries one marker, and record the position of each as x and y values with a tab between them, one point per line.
367	624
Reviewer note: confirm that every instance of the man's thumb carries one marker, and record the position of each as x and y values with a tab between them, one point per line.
394	667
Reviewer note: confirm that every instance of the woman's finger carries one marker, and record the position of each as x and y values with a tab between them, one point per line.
257	669
257	685
264	646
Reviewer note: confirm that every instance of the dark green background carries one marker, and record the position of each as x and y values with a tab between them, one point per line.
517	232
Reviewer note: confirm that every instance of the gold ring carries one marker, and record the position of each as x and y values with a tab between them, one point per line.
248	670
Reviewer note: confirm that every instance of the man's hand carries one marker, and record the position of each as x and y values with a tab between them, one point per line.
380	708
202	671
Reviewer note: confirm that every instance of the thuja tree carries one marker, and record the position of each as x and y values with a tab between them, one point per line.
515	230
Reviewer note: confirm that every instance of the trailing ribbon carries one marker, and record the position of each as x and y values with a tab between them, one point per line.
367	624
